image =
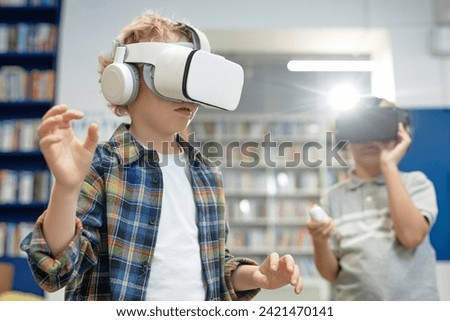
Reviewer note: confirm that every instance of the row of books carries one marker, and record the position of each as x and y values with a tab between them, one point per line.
25	3
282	181
28	38
297	237
19	84
250	154
246	209
254	181
19	135
24	187
254	129
253	210
256	237
291	208
11	234
249	238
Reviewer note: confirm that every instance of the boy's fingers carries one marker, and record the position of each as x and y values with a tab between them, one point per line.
90	143
273	260
299	286
295	275
59	120
55	110
48	125
72	114
289	262
48	141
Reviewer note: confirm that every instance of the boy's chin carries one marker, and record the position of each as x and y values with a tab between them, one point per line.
370	161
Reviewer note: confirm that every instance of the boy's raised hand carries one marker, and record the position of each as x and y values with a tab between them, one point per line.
393	152
276	272
68	158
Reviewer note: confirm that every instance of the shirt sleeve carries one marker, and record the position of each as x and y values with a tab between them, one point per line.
423	194
54	272
231	264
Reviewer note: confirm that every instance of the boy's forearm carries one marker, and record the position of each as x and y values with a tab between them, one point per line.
325	260
242	278
59	222
409	223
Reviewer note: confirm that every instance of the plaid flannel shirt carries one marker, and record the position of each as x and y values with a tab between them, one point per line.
118	212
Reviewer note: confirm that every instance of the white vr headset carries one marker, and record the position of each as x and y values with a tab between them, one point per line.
174	71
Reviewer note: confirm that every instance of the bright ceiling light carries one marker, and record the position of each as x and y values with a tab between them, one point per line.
331	65
343	97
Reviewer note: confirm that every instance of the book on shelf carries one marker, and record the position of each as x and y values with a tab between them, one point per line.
286	209
292	238
249	238
250	181
246	209
8	186
19	84
42	3
13	3
28	3
11	235
19	135
24	187
3	233
31	38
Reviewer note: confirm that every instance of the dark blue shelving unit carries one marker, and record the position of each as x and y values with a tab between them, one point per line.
14	213
430	153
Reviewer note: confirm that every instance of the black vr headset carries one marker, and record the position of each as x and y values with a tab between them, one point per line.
370	121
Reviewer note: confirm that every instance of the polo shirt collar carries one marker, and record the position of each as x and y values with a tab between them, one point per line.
356	181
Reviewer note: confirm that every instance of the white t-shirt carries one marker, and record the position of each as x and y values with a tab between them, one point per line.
176	268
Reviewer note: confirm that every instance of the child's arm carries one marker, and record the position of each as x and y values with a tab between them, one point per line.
410	225
324	258
273	273
69	160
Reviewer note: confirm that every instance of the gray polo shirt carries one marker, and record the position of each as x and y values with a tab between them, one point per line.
373	263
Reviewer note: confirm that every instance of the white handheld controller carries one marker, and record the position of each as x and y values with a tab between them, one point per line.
317	213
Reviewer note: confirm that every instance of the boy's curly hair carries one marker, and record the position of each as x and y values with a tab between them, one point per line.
148	27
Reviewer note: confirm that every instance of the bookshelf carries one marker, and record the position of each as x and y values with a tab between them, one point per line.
274	169
28	56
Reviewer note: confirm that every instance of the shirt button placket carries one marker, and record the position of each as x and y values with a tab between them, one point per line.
155	182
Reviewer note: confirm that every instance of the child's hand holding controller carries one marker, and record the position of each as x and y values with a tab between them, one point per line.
321	226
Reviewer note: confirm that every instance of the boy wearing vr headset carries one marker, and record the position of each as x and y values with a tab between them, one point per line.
380	218
141	217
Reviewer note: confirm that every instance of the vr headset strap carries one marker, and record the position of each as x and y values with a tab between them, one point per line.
199	38
145	52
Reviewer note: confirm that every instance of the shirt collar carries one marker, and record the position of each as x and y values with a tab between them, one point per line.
356	181
129	149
